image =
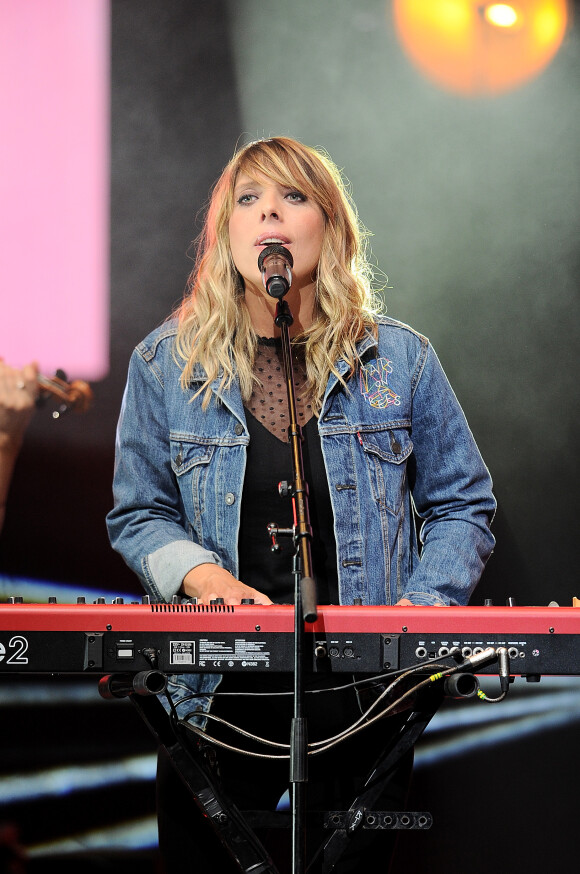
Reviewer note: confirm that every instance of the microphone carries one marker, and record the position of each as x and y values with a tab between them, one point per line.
274	263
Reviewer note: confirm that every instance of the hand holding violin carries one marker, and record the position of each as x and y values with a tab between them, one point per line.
18	393
20	389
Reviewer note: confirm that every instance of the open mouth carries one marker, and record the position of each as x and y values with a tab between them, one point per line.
269	241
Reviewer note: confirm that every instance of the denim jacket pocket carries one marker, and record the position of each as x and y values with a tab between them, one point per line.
190	464
185	454
386	452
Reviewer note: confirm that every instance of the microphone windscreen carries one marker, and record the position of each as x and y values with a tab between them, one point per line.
274	249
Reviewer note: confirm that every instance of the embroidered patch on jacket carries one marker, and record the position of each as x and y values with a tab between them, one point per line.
374	384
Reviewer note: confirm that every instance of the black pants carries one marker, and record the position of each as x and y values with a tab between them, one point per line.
335	778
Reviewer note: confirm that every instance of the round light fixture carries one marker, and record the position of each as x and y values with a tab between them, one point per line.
476	48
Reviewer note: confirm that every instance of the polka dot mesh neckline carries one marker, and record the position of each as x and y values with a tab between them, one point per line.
269	401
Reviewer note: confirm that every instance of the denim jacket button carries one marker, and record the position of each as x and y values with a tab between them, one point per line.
239	429
230	498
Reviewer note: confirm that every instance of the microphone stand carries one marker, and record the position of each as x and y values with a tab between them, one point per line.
304	602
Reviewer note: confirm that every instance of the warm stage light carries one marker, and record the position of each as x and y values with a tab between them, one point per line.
500	14
476	48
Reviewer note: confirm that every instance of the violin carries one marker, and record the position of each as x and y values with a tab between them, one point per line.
76	395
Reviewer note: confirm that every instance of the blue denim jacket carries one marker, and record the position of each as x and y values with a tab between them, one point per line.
396	440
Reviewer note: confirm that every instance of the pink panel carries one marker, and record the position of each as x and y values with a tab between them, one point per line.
54	184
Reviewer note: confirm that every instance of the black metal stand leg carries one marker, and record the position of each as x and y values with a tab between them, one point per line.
229	824
406	738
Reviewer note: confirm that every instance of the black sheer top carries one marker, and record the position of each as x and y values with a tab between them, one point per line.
268	463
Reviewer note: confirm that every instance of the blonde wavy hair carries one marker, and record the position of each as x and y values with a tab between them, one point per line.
214	328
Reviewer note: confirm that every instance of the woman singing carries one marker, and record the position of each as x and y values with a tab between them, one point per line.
203	444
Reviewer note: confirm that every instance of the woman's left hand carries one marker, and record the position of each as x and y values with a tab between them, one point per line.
18	393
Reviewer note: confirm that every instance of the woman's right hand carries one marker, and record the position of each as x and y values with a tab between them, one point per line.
206	582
